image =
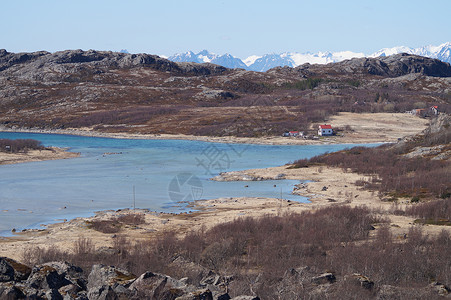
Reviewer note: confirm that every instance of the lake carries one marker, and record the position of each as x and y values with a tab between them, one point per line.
121	173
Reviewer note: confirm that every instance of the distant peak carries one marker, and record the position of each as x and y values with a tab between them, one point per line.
270	60
204	52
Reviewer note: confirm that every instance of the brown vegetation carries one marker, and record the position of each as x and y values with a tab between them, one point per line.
259	252
114	225
433	212
392	173
19	145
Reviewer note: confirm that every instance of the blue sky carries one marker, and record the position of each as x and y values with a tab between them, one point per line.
241	28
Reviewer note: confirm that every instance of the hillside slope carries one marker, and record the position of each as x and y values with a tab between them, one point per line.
141	93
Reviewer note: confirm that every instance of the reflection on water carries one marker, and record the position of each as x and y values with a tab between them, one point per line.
113	173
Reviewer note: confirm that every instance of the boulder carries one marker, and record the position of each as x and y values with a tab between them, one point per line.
364	281
107	282
324	278
10	291
157	286
224	296
197	295
440	288
72	274
11	270
45	277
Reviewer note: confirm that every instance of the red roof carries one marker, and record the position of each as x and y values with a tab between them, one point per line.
294	131
325	126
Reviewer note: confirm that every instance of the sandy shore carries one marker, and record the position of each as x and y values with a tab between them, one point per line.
365	128
36	155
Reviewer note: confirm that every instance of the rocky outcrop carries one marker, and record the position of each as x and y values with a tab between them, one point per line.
62	280
390	66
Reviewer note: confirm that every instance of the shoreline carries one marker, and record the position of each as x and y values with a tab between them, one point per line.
325	187
50	153
268	140
366	128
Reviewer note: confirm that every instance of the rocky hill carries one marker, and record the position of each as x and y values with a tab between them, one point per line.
142	93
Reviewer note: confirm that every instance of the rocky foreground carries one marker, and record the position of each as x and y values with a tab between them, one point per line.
62	280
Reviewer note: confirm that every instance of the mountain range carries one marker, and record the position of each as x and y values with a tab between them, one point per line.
294	59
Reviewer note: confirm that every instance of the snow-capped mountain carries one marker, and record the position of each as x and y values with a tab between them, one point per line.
294	59
270	61
229	61
441	52
204	56
187	57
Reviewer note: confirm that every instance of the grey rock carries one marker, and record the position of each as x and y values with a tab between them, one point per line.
441	289
108	275
107	282
197	295
52	295
224	296
11	270
70	291
102	293
364	281
246	298
158	286
45	277
9	291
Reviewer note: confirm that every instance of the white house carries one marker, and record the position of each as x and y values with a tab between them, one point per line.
325	130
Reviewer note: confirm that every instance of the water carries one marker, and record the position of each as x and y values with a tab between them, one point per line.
162	173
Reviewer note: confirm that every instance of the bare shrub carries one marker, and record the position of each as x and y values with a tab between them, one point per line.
83	246
115	224
433	210
132	219
259	251
391	172
20	145
40	255
105	226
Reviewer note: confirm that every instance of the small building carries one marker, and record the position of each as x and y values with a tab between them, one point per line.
325	130
426	112
433	110
420	112
293	134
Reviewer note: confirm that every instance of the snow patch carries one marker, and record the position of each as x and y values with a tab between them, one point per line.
251	59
